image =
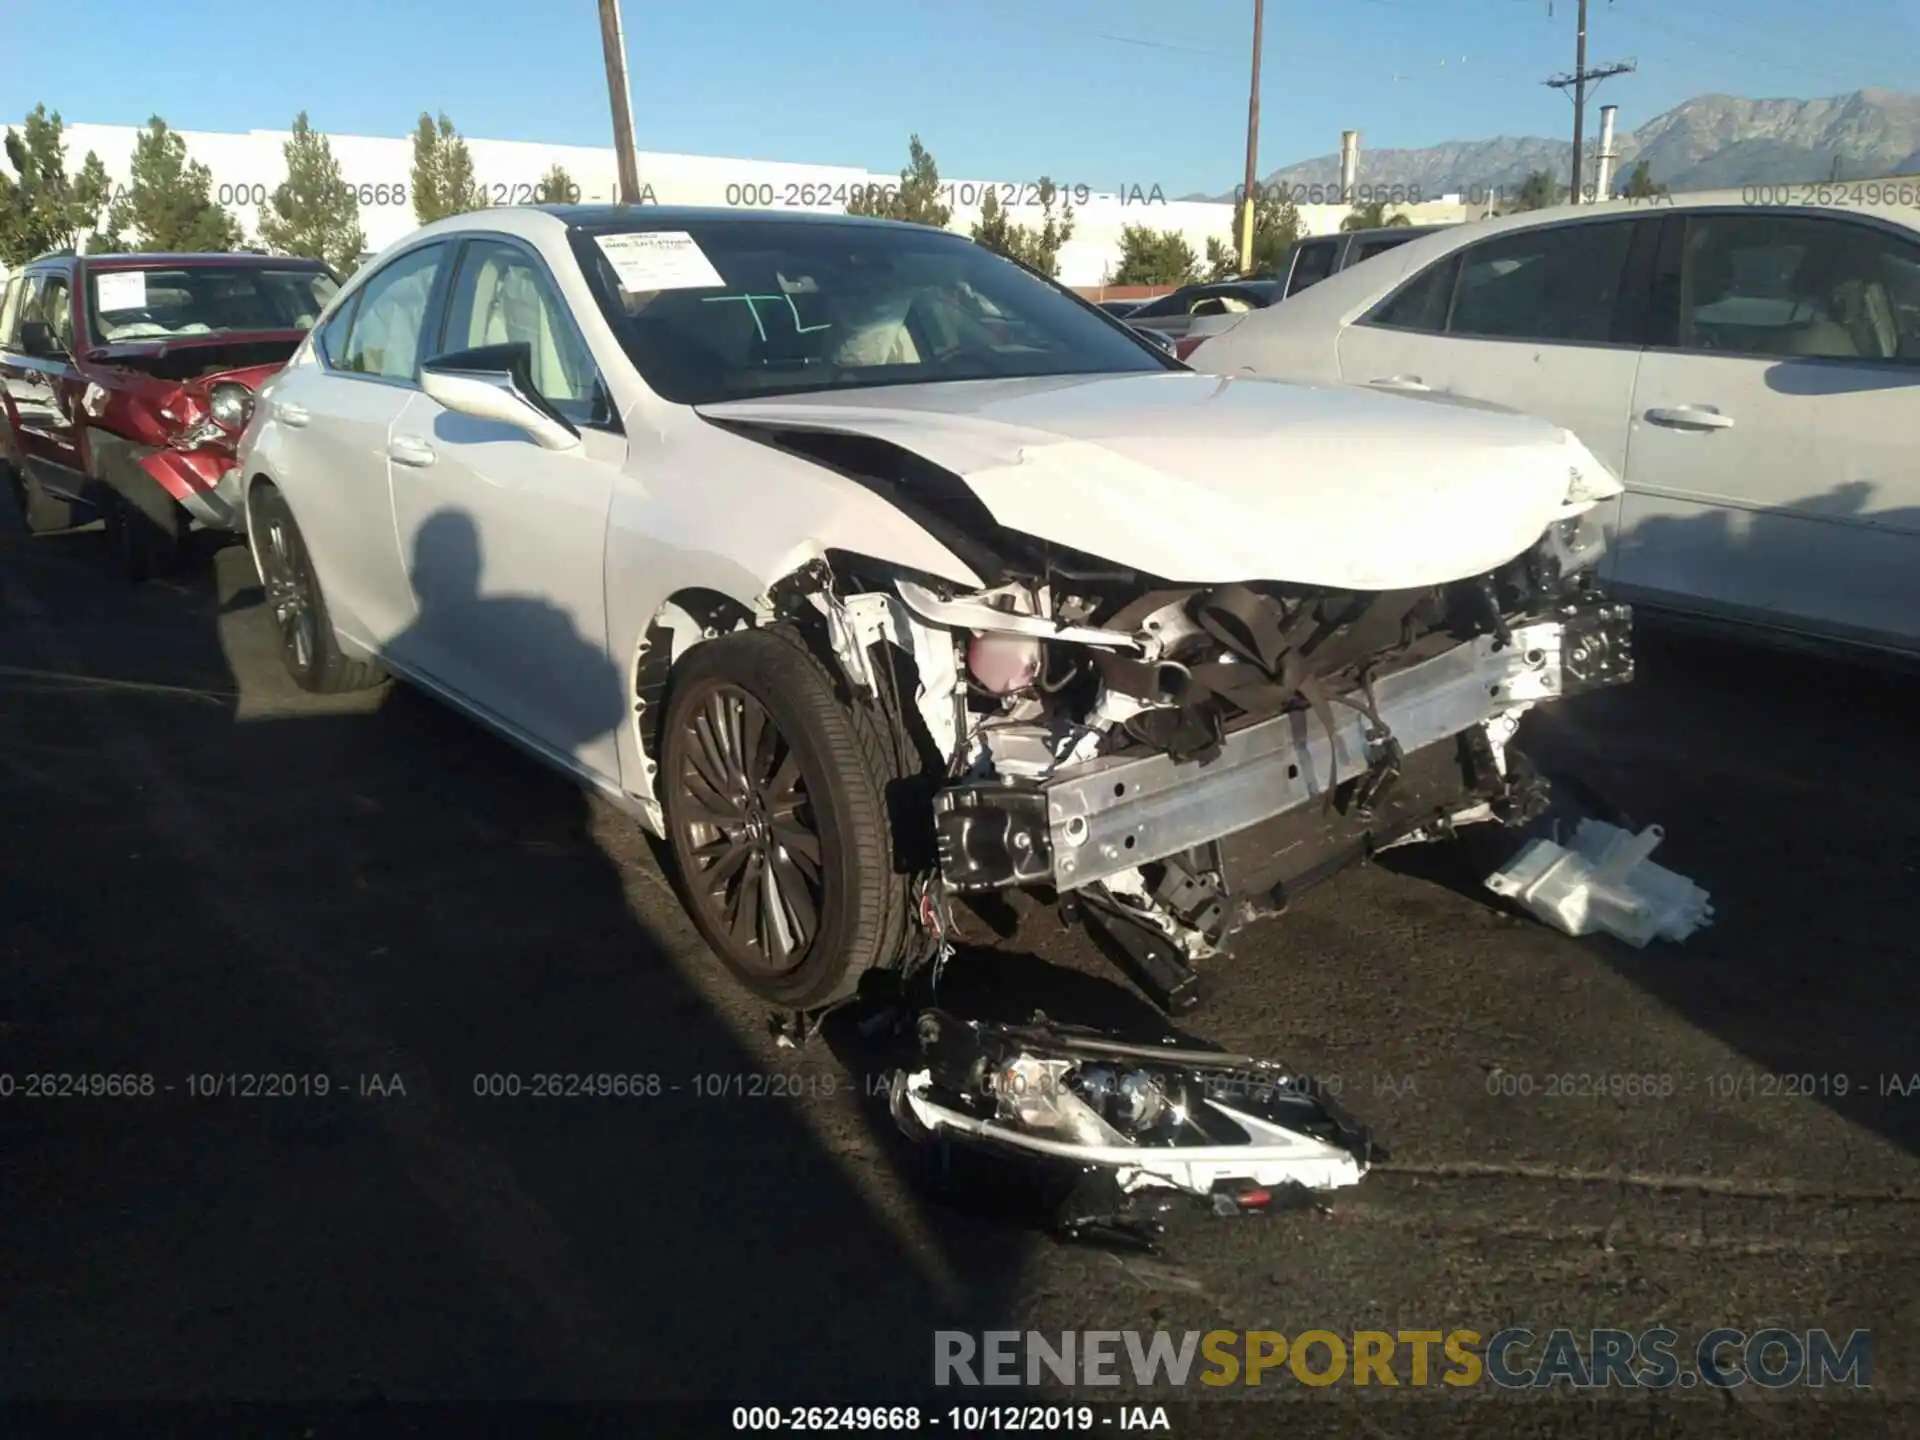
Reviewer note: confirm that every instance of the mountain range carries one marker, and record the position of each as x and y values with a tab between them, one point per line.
1710	142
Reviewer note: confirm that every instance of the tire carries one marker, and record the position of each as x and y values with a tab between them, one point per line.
143	544
308	647
39	510
815	778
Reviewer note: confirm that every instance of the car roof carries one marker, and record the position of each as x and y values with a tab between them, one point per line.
228	258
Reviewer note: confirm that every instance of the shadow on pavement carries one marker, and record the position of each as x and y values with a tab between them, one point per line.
336	934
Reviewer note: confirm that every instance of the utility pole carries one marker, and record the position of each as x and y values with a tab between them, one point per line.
614	42
1578	81
1250	191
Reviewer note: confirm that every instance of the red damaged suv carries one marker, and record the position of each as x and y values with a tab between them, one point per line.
129	379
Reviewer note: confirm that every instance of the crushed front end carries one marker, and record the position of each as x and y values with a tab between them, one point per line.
1174	762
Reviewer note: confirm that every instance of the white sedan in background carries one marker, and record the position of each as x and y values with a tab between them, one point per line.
1749	364
868	568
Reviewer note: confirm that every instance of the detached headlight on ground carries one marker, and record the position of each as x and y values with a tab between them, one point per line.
1219	1126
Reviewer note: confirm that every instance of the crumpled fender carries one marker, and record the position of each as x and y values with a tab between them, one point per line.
184	474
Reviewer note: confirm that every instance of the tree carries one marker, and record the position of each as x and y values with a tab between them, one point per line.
916	199
40	208
1038	246
168	203
1155	257
1221	263
1537	192
556	187
313	212
1641	185
1276	228
1372	215
443	182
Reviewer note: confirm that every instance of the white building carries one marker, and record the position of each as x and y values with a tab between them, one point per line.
248	167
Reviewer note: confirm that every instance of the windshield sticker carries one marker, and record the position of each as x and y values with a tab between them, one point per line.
122	290
658	260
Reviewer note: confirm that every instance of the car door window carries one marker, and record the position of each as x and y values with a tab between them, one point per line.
384	336
1367	249
501	296
1559	282
10	311
1423	302
1312	263
1802	287
51	303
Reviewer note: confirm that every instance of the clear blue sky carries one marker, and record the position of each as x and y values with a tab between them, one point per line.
1100	92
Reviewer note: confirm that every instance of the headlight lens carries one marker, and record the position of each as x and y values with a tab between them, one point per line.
231	404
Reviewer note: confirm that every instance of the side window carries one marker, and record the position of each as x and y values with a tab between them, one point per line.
383	337
1367	249
502	297
1798	287
1423	303
1559	282
1209	305
1312	263
10	310
332	336
57	301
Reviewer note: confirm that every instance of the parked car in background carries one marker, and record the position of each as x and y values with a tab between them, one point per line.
867	567
1752	372
1315	258
1119	309
129	379
1193	312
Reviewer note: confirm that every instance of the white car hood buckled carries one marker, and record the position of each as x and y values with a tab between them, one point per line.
1205	479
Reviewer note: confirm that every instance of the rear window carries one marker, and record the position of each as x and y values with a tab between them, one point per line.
161	303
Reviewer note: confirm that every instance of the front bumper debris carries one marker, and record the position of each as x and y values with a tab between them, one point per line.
1139	1125
1111	815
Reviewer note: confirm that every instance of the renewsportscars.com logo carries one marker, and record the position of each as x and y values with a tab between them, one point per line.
1514	1358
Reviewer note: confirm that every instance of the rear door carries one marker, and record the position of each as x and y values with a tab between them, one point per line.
1772	474
337	414
1544	320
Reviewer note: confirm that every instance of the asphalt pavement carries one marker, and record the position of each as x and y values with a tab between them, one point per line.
318	939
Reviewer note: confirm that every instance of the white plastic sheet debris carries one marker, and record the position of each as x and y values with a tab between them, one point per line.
1604	881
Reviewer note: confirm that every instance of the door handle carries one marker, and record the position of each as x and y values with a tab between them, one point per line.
294	415
1400	382
410	450
1690	417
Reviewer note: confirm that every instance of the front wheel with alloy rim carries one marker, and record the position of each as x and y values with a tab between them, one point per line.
308	647
775	791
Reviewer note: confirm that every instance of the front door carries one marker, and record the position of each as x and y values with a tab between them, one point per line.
1531	319
505	541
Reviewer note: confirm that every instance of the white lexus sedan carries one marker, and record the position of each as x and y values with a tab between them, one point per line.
869	569
1748	363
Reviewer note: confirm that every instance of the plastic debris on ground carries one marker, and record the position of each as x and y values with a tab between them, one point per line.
1604	881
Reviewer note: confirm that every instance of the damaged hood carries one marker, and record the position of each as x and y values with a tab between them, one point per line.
1209	479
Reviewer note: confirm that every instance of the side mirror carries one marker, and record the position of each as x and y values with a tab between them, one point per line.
36	339
495	382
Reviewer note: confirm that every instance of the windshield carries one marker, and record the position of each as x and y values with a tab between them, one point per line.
723	310
158	303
